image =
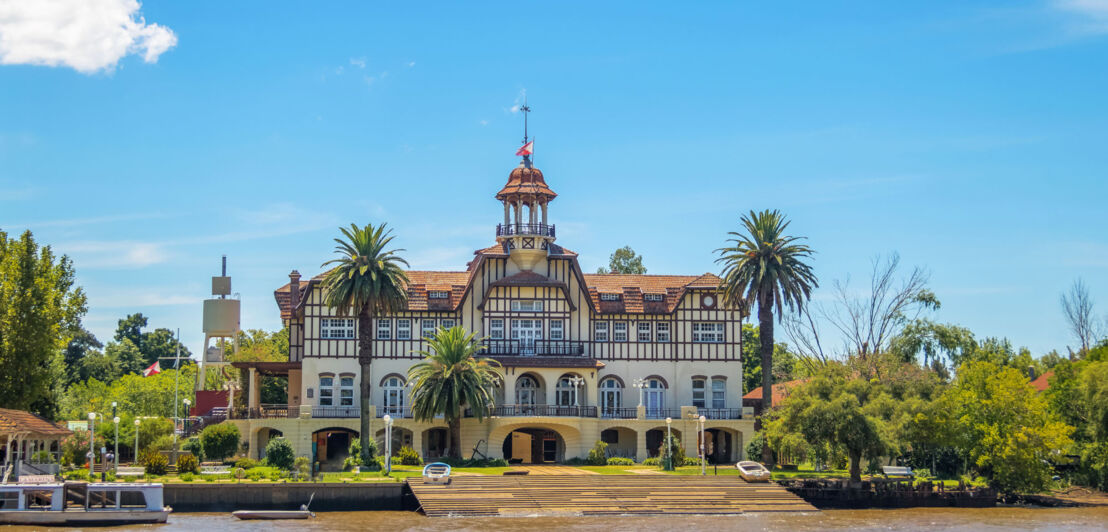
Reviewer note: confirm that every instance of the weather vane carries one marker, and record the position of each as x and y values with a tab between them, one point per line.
528	145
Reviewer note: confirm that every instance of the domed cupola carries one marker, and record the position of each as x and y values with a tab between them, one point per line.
525	196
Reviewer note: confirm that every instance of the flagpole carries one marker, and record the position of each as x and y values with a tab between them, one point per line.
176	387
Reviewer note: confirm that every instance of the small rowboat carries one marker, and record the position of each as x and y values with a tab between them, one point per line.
436	473
248	515
753	471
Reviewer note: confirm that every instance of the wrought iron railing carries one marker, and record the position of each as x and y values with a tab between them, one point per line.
619	413
543	411
525	229
394	411
662	413
557	348
720	413
336	411
269	411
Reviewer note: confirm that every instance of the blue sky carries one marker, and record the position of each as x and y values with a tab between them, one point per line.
967	136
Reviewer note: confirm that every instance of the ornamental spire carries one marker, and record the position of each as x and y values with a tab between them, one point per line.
528	144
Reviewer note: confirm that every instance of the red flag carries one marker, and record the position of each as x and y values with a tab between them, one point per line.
154	369
527	149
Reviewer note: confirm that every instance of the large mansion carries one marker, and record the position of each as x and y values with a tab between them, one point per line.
586	357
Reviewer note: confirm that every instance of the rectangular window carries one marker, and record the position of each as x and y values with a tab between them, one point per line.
609	297
663	331
438	294
326	391
403	329
644	331
654	297
698	393
719	393
446	324
428	328
619	331
496	329
346	391
707	332
556	330
384	329
527	305
336	328
600	331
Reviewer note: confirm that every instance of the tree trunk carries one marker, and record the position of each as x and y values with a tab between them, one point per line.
365	355
855	467
765	337
456	437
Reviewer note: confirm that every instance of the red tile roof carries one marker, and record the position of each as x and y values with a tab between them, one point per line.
525	181
19	421
780	391
1043	382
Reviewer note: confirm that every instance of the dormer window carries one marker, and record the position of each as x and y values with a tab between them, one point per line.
438	294
609	297
654	297
527	305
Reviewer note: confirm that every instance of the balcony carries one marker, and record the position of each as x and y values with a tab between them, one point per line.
335	411
619	413
555	348
720	413
662	413
543	411
395	412
265	411
525	229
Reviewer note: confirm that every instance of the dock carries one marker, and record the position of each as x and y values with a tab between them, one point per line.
553	495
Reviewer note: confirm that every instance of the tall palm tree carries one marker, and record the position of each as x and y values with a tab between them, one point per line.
764	267
366	281
450	379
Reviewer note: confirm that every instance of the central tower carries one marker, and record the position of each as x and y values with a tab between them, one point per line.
525	196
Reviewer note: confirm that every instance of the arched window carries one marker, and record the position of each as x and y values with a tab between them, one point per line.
346	390
393	388
567	390
527	390
719	393
611	396
654	397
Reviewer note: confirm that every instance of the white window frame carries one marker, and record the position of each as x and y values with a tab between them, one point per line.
619	331
600	331
699	389
496	328
446	323
557	330
384	329
654	297
403	328
607	296
438	294
527	305
719	393
393	395
662	331
527	394
644	331
327	384
563	392
708	332
427	327
346	390
336	328
611	396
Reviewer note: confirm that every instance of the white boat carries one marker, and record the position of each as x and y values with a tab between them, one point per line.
247	515
436	473
104	504
753	471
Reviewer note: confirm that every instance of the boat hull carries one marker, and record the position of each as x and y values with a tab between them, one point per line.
83	517
271	514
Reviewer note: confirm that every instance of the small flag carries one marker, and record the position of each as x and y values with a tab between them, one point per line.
154	369
527	149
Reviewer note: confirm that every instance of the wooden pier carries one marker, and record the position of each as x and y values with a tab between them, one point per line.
475	495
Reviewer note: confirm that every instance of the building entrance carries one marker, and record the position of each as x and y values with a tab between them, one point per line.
533	446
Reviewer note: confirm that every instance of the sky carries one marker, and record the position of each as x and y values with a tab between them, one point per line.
146	140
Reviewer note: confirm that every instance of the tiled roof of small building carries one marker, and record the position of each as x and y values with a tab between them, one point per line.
1043	382
20	421
632	287
525	181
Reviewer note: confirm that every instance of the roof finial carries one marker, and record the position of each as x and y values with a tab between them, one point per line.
527	148
524	109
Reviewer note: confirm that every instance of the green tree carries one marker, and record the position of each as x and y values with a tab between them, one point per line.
784	360
126	357
367	280
40	310
81	345
1004	427
450	379
766	268
279	453
138	395
624	260
1078	394
157	344
220	441
934	342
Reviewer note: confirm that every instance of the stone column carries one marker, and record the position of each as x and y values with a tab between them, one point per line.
509	388
641	452
507	213
544	213
255	392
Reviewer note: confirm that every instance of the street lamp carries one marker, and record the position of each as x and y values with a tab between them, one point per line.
137	423
185	425
115	455
388	444
702	448
669	445
91	442
641	385
576	382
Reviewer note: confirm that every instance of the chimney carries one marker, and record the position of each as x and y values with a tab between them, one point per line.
1031	372
294	288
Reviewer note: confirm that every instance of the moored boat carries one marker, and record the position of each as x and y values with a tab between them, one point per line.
78	503
272	514
753	471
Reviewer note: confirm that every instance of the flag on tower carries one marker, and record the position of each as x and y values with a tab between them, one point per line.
527	149
154	369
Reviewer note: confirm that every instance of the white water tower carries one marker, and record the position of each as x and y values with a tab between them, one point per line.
221	321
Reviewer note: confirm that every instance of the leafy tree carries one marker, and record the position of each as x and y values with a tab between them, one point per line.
220	441
766	268
40	310
367	280
1004	427
1078	394
784	360
157	344
279	453
83	344
450	379
624	260
130	328
96	365
137	395
125	357
934	342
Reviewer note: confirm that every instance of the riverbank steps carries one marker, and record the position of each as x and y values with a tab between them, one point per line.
329	496
552	495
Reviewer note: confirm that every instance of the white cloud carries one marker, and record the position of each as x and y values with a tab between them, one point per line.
358	62
521	99
86	35
115	254
411	64
1089	16
483	122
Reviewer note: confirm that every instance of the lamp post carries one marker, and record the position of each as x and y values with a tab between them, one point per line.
137	423
388	444
115	455
576	382
669	445
641	385
185	424
91	443
702	448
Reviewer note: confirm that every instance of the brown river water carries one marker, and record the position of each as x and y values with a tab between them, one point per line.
929	519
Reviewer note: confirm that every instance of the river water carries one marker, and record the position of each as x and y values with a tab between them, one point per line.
930	519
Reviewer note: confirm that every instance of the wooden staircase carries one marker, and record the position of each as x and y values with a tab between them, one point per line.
481	495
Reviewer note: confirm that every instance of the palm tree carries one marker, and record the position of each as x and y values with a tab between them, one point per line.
450	379
367	281
766	268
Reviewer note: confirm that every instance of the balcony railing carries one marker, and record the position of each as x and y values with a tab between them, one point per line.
720	413
556	348
394	411
540	411
525	229
336	411
619	413
267	411
662	413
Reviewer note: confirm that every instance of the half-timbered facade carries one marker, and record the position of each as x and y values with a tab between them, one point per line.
586	357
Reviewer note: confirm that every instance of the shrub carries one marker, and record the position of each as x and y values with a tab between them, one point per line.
194	446
279	453
619	460
677	451
303	467
42	457
156	463
276	475
161	443
247	463
220	440
77	474
208	478
497	462
576	461
255	474
187	477
356	451
922	474
349	463
239	473
408	456
654	460
187	463
690	461
598	455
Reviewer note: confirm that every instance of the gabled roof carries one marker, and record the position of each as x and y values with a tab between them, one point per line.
1043	382
13	421
780	391
632	288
